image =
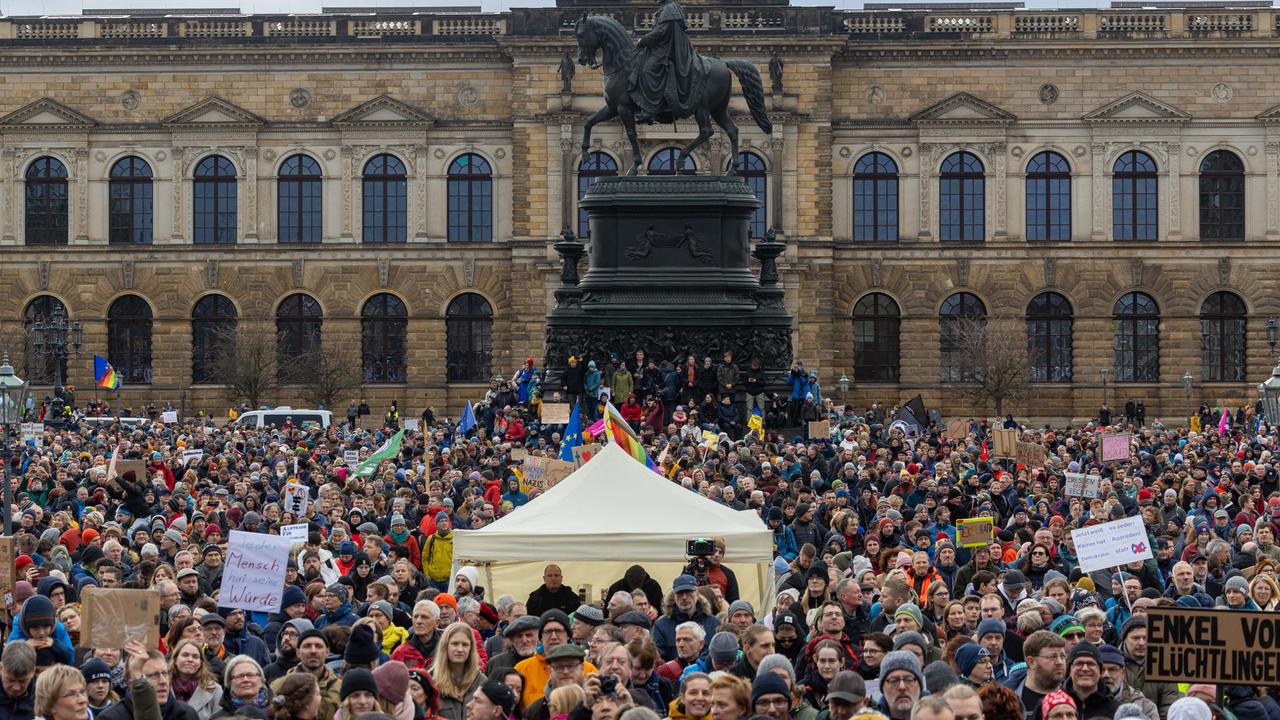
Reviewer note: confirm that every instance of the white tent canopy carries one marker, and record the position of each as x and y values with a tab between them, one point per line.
611	513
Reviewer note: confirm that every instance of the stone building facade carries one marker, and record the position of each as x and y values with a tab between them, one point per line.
1131	104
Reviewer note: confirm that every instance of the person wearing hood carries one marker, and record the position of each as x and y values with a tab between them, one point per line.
337	607
38	624
784	540
514	494
636	578
293	604
286	653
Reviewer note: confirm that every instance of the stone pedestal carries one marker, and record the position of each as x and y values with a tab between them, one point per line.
669	273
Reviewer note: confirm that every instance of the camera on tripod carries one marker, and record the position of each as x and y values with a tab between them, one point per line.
697	550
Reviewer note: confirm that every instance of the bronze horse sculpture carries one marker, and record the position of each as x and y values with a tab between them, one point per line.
598	33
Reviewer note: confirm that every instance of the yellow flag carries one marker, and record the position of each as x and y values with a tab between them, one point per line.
711	439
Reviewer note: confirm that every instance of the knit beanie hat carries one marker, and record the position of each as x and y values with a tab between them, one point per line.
95	669
1084	648
355	680
737	605
990	625
393	681
902	660
938	676
777	660
911	637
768	684
37	611
341	591
968	657
1054	699
723	648
1129	710
1133	623
1189	708
361	648
911	611
1237	583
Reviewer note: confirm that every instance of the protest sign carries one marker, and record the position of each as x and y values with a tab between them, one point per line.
542	473
519	455
1082	485
1115	446
169	417
957	429
412	424
555	413
710	439
975	532
139	468
820	430
7	556
33	432
293	498
296	532
1006	443
1030	454
190	456
351	458
1221	646
583	453
253	576
1111	544
111	617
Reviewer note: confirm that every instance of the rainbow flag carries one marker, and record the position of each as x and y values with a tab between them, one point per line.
104	374
618	431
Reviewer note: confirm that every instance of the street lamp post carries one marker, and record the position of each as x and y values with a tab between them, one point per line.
844	389
1187	381
13	401
1269	390
1105	372
50	340
1273	329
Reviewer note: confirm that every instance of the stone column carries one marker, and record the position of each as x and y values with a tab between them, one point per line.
82	195
1174	192
568	197
347	159
1099	192
1273	187
8	160
251	191
179	191
998	151
420	178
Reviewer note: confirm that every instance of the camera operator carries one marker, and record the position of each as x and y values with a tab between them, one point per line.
722	576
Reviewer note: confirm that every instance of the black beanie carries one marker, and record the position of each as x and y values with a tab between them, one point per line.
361	647
37	611
357	679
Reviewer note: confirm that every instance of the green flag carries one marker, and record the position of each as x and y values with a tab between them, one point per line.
389	450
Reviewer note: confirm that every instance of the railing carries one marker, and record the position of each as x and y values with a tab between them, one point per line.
464	26
215	28
383	28
694	21
44	30
961	23
752	21
1133	23
132	30
300	27
1045	24
862	24
1220	22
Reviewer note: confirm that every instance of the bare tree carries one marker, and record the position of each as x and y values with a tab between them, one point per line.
323	374
992	362
246	361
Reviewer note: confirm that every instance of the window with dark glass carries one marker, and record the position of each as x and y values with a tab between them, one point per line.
469	341
213	324
1048	198
1222	338
46	202
876	321
667	160
386	204
298	322
215	201
594	166
1135	203
1222	197
299	213
1049	338
875	198
470	199
751	169
384	325
957	311
130	208
1136	318
962	199
41	310
129	339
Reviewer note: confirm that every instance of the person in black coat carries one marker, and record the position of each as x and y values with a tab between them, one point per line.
552	594
637	578
18	670
573	381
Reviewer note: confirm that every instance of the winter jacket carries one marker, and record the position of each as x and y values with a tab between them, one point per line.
252	645
173	709
437	557
19	708
664	630
1163	694
342	616
417	654
206	701
456	708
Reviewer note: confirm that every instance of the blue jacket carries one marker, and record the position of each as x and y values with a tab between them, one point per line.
784	542
799	384
664	630
62	646
247	644
341	616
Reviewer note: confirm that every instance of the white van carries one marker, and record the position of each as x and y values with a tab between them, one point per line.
280	415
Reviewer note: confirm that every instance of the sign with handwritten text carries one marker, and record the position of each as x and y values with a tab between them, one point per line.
253	578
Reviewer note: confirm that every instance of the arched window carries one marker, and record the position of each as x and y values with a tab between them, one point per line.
751	168
666	160
1137	338
1134	199
213	326
1049	338
46	202
129	339
470	199
41	309
129	213
469	341
958	312
384	324
875	198
594	166
962	199
215	201
876	318
298	321
1222	197
386	205
299	209
1048	197
1222	338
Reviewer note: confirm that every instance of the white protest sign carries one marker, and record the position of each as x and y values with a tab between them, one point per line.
1111	544
294	499
169	417
294	533
351	458
190	456
33	432
412	424
253	574
1082	485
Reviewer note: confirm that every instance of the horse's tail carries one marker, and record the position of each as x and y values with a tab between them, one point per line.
752	91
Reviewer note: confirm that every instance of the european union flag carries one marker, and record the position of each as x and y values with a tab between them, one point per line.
468	419
572	435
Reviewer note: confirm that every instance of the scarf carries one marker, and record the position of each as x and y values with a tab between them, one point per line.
399	537
259	702
184	688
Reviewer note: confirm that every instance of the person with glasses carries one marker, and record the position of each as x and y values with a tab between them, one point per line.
245	686
147	670
974	663
992	634
553	632
1068	628
61	694
1046	667
1113	667
1084	683
771	697
901	684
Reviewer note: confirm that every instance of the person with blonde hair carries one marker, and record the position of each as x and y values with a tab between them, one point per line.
1265	592
192	681
730	698
564	699
456	670
61	694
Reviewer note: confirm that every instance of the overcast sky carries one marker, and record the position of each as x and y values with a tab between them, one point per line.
75	7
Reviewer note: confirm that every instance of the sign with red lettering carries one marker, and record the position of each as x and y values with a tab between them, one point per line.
253	576
1226	647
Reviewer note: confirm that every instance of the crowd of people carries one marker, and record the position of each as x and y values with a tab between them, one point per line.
877	611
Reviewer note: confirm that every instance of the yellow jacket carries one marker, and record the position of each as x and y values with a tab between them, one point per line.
437	556
536	672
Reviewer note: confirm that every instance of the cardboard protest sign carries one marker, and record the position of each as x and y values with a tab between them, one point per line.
351	458
1222	646
1115	446
412	424
7	556
1082	485
139	468
519	455
957	429
1030	454
820	430
583	453
296	532
253	576
190	456
975	532
169	417
111	617
556	413
1005	442
1111	544
542	473
293	499
33	432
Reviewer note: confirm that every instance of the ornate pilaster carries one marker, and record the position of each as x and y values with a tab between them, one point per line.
776	160
82	195
1099	191
1174	192
567	195
179	190
420	168
251	192
1273	187
347	171
928	156
8	160
998	152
